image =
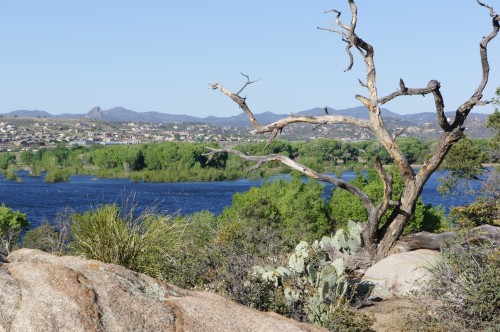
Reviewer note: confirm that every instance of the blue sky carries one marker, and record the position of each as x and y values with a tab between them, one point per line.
158	55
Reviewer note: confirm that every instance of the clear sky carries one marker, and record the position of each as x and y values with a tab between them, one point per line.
65	56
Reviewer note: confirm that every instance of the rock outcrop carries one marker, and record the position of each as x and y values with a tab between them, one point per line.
399	274
95	113
43	292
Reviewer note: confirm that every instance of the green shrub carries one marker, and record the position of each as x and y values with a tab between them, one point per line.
476	214
466	286
235	249
57	175
344	206
103	235
347	319
43	237
51	237
11	175
6	159
295	210
185	250
12	224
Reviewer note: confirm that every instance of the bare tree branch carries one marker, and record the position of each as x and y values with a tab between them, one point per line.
404	91
475	99
432	87
492	11
274	133
282	123
365	199
364	85
238	100
325	119
248	82
378	240
397	132
365	101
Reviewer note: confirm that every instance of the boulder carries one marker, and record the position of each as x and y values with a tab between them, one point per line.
399	274
43	292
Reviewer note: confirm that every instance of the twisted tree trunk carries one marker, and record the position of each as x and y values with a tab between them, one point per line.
378	240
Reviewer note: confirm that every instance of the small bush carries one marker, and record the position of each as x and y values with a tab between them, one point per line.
347	319
185	254
466	286
53	238
57	175
12	224
43	237
476	214
11	175
235	249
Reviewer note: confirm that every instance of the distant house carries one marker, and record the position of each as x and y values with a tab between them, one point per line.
83	142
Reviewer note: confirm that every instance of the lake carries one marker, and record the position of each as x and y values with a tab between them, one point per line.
42	201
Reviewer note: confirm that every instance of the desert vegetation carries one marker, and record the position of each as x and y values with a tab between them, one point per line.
283	247
179	161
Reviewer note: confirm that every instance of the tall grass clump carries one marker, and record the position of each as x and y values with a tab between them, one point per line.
102	234
159	245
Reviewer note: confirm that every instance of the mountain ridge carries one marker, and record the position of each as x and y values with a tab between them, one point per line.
122	114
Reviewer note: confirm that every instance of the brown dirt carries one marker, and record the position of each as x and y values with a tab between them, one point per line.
390	314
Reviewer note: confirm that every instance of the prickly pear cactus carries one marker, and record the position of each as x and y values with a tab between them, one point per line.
297	260
347	241
311	280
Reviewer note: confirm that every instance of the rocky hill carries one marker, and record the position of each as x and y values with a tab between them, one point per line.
43	292
422	125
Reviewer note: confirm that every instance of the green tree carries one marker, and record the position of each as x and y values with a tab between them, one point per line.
293	210
57	175
12	224
61	153
345	206
27	157
6	159
464	163
494	123
415	150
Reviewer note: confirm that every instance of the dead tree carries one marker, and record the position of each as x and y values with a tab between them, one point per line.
378	239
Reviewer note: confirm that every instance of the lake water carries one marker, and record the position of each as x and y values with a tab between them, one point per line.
42	201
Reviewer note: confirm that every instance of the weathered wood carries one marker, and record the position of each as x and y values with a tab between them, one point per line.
433	241
380	240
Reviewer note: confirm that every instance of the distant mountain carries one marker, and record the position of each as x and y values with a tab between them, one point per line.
475	121
29	114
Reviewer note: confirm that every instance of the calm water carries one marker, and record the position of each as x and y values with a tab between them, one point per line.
41	201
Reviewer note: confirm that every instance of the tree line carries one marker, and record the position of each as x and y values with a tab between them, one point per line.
179	161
